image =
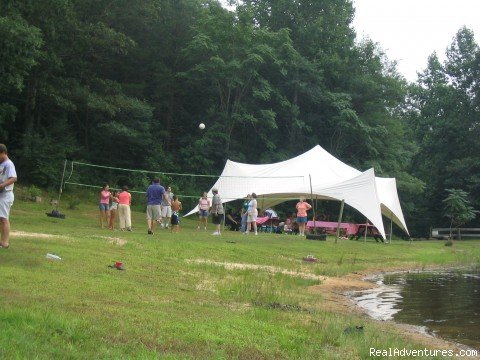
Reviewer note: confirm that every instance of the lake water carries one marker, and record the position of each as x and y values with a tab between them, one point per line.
446	304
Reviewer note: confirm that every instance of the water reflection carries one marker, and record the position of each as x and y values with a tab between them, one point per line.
447	303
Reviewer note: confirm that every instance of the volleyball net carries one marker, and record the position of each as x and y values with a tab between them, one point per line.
188	187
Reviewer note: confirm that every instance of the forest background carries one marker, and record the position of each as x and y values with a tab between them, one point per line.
126	83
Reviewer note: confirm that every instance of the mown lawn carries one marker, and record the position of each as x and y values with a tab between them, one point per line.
175	301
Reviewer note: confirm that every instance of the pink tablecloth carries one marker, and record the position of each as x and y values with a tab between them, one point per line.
267	221
331	226
350	229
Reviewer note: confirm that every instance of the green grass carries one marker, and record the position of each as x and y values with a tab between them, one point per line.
174	302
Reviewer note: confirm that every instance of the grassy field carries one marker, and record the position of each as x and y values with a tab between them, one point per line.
180	299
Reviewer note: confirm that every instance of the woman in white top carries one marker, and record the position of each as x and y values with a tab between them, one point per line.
252	214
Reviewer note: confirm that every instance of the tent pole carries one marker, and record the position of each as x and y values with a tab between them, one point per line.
313	204
366	230
224	216
391	229
339	221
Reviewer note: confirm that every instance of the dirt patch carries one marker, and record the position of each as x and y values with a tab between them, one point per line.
206	285
113	240
36	235
267	268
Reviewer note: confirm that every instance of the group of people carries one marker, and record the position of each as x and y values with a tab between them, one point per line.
113	204
249	214
215	208
248	217
163	208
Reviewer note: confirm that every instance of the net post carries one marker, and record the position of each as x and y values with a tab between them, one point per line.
61	185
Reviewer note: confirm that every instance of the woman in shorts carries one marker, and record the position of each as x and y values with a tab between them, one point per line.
302	208
203	208
104	204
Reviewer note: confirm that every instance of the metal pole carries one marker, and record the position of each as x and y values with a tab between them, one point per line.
339	221
366	229
224	217
391	228
313	204
61	185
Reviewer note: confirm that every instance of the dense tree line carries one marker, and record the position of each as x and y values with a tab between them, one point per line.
126	83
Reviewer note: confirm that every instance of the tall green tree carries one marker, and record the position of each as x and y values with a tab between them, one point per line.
19	44
444	120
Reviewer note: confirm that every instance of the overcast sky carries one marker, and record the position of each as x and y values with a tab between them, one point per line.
410	30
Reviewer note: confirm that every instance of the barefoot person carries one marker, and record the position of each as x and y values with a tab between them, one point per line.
104	205
8	177
175	220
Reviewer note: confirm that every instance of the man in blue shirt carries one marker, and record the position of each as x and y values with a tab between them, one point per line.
155	196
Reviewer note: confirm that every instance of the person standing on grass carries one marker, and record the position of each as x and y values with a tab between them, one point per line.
113	210
124	214
155	196
104	205
252	214
166	208
203	208
175	221
245	214
217	211
302	208
8	176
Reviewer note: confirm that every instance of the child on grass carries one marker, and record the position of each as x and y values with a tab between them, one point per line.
175	219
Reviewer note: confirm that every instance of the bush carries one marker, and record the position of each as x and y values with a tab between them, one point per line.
32	192
73	203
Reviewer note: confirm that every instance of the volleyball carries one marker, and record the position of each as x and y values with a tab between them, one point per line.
201	126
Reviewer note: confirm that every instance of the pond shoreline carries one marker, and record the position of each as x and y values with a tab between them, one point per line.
337	292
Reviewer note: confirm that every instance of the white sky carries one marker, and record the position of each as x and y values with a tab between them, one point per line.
411	30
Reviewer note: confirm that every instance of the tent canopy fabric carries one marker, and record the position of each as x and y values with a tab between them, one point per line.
315	172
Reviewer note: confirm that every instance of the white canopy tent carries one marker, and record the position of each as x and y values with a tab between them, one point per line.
315	172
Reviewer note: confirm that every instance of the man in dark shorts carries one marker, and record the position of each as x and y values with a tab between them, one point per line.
175	219
217	211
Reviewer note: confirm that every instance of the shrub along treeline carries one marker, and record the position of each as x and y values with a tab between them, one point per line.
126	84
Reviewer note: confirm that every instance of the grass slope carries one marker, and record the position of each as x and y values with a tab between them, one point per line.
177	301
